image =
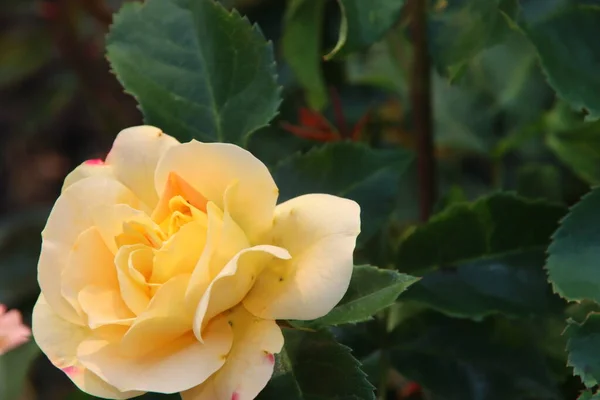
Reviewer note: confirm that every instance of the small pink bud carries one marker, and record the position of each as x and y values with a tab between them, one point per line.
13	332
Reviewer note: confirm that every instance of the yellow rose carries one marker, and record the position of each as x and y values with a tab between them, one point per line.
164	268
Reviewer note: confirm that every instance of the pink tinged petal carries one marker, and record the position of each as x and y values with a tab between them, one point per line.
175	367
71	215
59	340
165	319
320	233
134	156
233	282
227	163
90	263
248	367
88	169
13	332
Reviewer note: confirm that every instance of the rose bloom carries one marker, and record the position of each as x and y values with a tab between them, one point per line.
13	332
165	267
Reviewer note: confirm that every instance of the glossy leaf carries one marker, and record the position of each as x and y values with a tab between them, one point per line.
579	148
564	38
371	290
574	253
301	44
513	284
364	23
313	366
352	170
584	349
494	225
462	29
196	69
589	395
463	360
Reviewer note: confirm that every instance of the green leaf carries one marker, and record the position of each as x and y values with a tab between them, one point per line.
197	70
583	346
457	359
301	44
313	366
371	290
537	180
574	253
513	284
368	176
14	367
589	395
495	225
464	28
579	148
565	40
364	23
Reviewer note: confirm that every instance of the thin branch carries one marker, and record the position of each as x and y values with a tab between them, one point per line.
420	93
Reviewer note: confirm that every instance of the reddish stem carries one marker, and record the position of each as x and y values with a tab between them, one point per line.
420	93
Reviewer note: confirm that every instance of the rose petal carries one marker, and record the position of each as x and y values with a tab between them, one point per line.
233	283
224	240
180	254
320	233
70	216
129	260
175	367
104	306
211	167
90	263
134	156
59	340
86	170
250	363
165	319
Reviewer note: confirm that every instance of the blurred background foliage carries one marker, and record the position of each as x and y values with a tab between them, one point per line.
498	125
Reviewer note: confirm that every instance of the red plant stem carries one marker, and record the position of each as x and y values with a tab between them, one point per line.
420	94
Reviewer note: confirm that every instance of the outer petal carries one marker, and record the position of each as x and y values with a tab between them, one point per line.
134	156
86	170
211	167
177	366
250	363
320	233
59	339
233	282
70	216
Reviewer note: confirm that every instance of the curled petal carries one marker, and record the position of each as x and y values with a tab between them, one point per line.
250	363
233	282
320	233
